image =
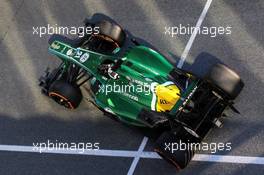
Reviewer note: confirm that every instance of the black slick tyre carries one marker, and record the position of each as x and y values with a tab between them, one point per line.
65	94
177	157
226	80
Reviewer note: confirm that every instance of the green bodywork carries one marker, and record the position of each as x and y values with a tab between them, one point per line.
126	96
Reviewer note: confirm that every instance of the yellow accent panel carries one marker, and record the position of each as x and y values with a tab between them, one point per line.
167	96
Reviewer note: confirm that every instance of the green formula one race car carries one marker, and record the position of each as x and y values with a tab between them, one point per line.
140	87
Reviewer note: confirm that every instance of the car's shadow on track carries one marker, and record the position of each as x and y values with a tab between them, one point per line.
49	127
202	64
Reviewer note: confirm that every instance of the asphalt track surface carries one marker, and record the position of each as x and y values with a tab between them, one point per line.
27	117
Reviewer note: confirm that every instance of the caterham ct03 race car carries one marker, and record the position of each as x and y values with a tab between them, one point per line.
140	87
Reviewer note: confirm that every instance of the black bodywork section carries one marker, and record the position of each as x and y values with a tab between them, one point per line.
200	113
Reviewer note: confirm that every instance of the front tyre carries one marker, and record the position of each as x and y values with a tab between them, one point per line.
112	32
65	94
109	39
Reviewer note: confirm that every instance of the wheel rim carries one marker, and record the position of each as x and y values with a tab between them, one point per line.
61	100
107	39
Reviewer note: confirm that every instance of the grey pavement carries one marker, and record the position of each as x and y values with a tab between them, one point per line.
26	116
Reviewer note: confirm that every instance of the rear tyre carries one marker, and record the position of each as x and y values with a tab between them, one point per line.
226	80
177	157
65	94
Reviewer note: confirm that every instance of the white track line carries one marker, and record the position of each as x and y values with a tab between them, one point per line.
136	159
190	42
137	154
